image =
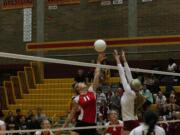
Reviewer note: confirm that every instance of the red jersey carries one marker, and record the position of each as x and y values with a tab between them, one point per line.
87	103
115	130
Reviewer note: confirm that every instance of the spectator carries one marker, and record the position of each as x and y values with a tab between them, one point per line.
33	124
172	67
40	115
109	94
160	101
113	120
152	83
169	89
45	124
100	98
23	124
149	81
29	115
80	77
18	116
148	96
8	117
104	109
10	122
172	97
100	122
115	100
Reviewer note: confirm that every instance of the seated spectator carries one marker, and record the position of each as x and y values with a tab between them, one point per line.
8	117
33	124
23	124
100	122
169	89
172	66
149	81
172	97
148	96
100	98
45	124
18	116
40	115
160	100
109	94
104	109
113	120
80	77
115	100
29	115
11	123
152	83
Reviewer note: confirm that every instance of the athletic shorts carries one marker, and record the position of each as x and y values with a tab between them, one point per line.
130	124
85	131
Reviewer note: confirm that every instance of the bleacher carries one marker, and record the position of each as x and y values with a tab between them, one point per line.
52	95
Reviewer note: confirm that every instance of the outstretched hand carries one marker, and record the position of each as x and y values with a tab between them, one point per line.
116	55
123	54
101	57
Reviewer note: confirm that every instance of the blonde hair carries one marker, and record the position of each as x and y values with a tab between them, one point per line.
136	84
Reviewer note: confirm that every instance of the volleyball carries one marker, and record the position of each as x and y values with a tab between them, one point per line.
100	45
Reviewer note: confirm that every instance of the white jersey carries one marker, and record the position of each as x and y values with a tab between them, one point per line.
142	130
128	97
41	133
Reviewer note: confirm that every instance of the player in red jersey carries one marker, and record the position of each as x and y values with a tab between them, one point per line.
113	120
86	100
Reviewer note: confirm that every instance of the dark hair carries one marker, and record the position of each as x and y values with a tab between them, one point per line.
150	118
171	61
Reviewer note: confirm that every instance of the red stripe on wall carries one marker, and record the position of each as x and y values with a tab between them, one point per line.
110	42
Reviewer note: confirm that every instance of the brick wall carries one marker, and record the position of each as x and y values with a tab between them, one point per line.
160	17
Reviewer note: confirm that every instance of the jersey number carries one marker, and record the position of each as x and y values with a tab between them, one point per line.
86	98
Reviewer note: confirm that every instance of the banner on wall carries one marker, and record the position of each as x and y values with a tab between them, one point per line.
16	4
117	2
27	25
105	2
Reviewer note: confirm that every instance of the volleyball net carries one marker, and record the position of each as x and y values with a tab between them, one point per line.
37	87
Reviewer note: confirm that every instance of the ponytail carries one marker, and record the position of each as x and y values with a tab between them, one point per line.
151	127
150	119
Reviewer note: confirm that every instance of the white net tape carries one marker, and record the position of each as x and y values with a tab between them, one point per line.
75	63
73	128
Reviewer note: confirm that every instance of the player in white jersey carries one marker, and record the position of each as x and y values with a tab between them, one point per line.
149	126
131	94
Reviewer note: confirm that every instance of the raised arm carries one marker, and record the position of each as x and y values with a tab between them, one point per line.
124	82
100	58
126	68
71	114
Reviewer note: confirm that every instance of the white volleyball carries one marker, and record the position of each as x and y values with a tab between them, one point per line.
100	45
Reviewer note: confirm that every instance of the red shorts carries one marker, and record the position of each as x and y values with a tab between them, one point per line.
130	124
